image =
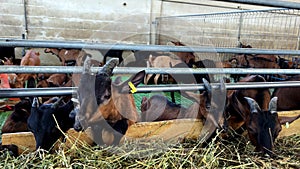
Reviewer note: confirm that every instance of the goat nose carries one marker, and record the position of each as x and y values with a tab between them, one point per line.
78	127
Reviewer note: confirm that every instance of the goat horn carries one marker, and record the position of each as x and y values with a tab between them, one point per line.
56	104
222	85
109	66
75	100
35	102
273	105
87	65
254	107
207	86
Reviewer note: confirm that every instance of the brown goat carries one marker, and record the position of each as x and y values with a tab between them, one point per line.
255	111
55	80
31	58
4	81
207	106
67	55
186	57
159	62
17	120
106	106
288	98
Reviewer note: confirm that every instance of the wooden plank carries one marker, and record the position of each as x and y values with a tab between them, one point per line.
290	129
171	131
26	142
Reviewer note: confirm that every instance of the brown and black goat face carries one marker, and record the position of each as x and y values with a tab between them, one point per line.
93	90
102	99
263	126
103	88
214	103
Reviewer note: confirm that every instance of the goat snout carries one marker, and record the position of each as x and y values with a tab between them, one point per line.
77	126
79	123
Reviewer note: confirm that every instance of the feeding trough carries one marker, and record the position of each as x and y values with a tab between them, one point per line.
168	131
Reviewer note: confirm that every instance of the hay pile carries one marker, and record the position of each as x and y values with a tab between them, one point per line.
236	153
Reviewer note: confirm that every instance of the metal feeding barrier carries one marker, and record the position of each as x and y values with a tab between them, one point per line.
63	91
6	93
140	47
134	70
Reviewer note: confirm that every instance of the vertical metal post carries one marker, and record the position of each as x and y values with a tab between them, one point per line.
298	38
25	19
157	36
240	29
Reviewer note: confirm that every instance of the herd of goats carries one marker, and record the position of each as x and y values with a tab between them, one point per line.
106	106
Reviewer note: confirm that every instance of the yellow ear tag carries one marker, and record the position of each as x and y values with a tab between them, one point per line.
287	125
133	89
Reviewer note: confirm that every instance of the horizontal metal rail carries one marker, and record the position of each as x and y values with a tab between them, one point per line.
62	91
38	92
140	47
133	70
274	3
223	13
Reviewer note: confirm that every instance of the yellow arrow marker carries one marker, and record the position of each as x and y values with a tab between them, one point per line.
133	88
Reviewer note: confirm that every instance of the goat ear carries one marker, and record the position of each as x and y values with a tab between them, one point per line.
135	80
254	107
138	78
285	119
273	105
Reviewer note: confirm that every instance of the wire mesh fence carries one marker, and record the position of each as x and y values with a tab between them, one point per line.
265	29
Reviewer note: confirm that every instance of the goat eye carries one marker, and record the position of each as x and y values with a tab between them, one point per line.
107	96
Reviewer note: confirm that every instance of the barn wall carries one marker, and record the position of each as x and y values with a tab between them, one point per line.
11	18
90	20
126	21
96	20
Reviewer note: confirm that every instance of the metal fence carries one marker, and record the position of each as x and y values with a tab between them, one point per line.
264	29
63	91
132	70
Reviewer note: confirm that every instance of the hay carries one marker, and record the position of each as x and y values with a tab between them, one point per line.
218	153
